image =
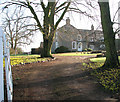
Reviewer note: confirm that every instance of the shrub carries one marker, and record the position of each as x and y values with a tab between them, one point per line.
18	51
100	55
96	51
12	51
36	50
87	49
61	49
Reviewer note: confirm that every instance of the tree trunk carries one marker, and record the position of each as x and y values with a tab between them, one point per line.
48	33
109	36
12	46
49	27
47	44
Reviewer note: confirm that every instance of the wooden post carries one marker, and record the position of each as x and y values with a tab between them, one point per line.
1	67
8	71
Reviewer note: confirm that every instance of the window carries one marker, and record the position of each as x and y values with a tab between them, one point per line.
79	46
91	39
74	45
56	36
79	37
102	46
56	45
102	38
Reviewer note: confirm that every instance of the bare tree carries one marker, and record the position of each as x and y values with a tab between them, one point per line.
17	30
48	26
48	10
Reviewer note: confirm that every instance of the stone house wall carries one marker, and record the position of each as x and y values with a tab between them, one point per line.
68	34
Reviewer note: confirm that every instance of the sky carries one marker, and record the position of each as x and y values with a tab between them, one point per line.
77	21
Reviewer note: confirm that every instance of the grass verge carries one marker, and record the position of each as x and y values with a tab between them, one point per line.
16	60
76	54
109	78
100	59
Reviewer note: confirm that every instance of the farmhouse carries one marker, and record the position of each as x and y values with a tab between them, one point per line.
78	39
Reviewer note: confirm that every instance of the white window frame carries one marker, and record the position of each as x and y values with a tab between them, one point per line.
101	38
79	45
74	42
78	37
92	39
102	46
56	44
56	35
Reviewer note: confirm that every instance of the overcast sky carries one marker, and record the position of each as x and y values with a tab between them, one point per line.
78	21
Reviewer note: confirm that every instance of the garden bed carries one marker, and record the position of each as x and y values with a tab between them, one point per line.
22	60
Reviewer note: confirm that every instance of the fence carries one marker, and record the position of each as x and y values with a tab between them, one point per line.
5	46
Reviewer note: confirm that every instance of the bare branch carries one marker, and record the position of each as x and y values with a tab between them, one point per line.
61	17
35	17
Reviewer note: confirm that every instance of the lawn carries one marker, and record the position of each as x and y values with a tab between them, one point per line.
76	54
108	78
23	59
100	60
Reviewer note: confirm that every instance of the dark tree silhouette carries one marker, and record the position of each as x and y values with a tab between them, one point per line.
109	36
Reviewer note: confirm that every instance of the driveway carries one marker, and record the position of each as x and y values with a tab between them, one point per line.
61	79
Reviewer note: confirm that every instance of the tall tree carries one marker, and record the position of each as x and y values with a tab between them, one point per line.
49	8
109	36
48	27
15	28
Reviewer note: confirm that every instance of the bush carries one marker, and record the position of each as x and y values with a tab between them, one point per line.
18	51
88	49
85	50
100	55
96	51
36	50
61	49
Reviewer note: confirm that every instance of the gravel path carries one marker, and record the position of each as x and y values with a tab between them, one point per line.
61	79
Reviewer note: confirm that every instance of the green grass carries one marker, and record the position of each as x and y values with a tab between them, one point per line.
16	60
100	60
108	78
76	54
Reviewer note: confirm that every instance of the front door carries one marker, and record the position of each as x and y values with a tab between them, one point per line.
79	46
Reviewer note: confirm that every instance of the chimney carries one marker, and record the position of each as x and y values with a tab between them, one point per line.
92	27
68	21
